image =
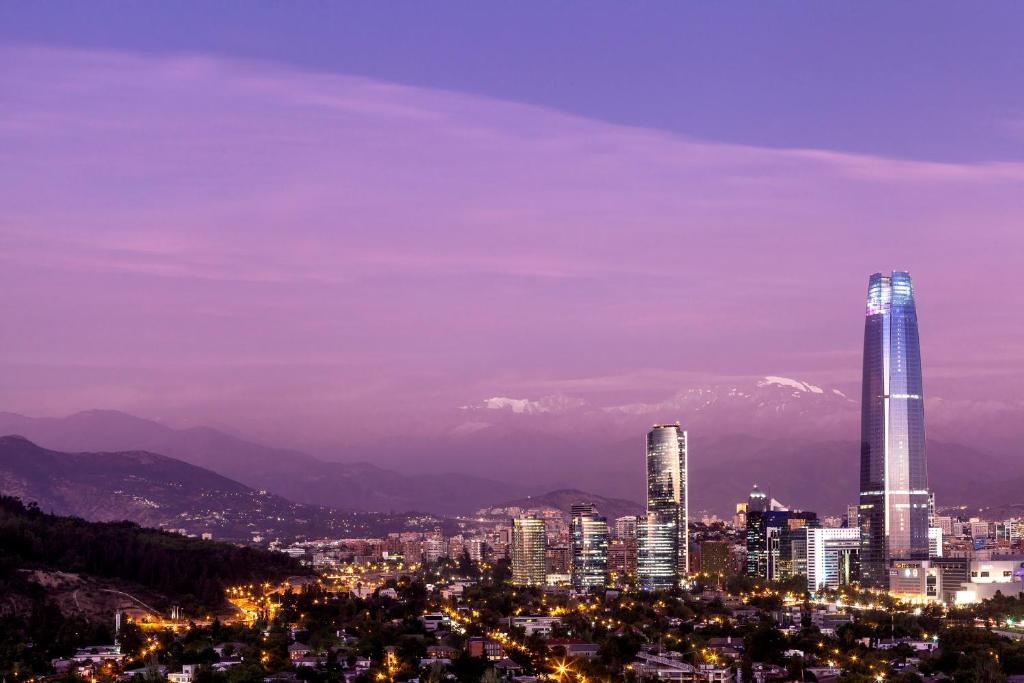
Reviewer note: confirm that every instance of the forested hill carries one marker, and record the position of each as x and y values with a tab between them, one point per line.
186	570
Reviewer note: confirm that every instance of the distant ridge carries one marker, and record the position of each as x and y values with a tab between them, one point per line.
157	491
563	499
298	476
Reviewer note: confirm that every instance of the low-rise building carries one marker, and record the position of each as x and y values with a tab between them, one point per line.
534	624
485	647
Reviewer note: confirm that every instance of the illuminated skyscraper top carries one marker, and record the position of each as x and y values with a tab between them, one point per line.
893	473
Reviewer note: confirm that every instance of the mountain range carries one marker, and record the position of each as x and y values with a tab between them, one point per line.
297	476
798	440
157	491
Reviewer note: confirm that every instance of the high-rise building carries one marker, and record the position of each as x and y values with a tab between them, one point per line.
558	559
589	539
662	534
934	541
833	557
764	540
893	476
757	501
852	516
529	541
625	527
622	557
715	561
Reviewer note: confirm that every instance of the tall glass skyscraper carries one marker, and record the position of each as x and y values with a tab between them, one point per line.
589	537
529	541
663	534
893	475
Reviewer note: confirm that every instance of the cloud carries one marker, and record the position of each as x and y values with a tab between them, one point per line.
191	211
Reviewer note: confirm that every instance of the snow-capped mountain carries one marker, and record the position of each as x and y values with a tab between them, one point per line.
770	406
555	403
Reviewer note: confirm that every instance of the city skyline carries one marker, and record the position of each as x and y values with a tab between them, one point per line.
473	342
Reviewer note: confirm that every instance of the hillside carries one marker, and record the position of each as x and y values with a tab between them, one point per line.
157	491
61	578
187	569
352	486
564	499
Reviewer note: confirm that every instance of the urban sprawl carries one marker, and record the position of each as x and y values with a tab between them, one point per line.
893	589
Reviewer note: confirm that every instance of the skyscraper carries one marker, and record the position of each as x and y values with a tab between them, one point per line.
833	557
893	476
529	541
589	539
662	534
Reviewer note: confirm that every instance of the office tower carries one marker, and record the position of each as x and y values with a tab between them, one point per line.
558	560
934	542
662	534
758	501
770	538
792	551
853	516
589	538
833	557
529	541
764	539
625	527
739	520
477	549
893	478
622	557
715	561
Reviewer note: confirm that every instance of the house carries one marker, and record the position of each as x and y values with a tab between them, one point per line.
726	646
669	666
485	647
828	622
575	647
768	672
441	652
507	668
228	648
142	672
435	621
311	662
99	654
539	625
187	674
916	645
297	651
822	674
281	677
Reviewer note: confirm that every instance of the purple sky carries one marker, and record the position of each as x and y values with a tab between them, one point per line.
333	220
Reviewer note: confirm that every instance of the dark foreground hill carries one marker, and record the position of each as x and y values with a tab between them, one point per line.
188	569
53	568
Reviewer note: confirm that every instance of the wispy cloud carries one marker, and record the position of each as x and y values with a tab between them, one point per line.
457	236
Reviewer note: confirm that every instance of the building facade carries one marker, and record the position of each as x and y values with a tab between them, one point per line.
765	532
715	561
893	511
833	557
589	540
663	534
529	543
